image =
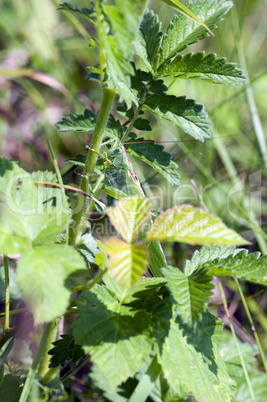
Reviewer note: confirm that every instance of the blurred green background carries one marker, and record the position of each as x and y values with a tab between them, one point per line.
43	58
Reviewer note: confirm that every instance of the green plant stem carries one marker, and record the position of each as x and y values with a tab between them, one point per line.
97	137
35	364
102	59
7	294
251	324
236	343
96	193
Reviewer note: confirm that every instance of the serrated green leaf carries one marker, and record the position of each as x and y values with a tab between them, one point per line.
115	336
129	216
127	262
65	349
142	124
184	113
186	11
190	360
192	293
183	31
187	224
200	67
86	124
41	274
123	20
205	254
78	122
126	94
88	13
147	43
153	155
251	267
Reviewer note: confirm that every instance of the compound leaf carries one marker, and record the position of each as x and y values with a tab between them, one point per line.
183	31
115	336
192	293
183	113
41	274
187	224
200	67
127	262
153	155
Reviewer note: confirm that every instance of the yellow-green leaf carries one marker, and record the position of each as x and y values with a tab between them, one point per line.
127	262
129	216
187	224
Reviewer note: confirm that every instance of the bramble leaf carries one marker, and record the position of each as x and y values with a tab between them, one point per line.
129	216
251	267
183	31
200	67
153	155
183	113
127	262
192	293
115	336
206	253
187	224
65	349
41	274
190	360
147	43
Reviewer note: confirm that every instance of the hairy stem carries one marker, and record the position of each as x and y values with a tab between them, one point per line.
97	137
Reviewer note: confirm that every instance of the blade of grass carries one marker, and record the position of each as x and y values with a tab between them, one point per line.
253	328
249	91
237	345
